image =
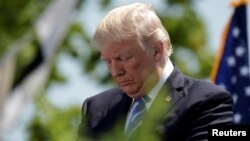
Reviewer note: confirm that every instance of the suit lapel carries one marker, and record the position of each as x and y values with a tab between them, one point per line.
172	92
104	118
118	108
175	85
120	103
166	100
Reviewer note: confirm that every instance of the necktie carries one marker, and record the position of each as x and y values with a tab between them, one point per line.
136	115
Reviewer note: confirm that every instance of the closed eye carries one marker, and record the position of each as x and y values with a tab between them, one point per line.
125	57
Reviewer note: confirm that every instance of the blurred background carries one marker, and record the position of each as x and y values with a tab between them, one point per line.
48	66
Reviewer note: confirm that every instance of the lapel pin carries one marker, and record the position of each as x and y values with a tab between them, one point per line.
168	99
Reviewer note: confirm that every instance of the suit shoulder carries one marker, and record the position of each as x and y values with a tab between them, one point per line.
103	98
205	86
105	95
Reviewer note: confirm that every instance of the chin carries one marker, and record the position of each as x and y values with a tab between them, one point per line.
133	94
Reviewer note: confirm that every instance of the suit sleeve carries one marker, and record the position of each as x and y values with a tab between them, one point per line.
215	109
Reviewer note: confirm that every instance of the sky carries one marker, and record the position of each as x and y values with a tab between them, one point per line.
215	14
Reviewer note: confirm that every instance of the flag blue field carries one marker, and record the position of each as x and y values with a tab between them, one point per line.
231	70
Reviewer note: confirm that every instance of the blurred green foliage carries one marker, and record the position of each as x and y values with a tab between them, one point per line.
26	59
16	22
17	17
51	123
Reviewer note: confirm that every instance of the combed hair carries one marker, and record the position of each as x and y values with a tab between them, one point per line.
135	21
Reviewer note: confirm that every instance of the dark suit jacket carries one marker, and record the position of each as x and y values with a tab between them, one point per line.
195	105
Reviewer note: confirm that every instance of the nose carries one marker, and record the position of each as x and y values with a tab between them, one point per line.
116	69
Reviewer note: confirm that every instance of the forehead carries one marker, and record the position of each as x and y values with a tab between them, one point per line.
118	48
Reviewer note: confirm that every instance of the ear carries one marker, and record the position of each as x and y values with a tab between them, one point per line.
158	53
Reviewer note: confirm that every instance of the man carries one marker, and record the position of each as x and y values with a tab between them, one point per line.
136	47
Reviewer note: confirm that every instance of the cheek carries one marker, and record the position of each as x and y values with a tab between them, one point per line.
140	70
135	68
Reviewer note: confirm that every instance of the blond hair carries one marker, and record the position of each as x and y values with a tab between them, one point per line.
135	21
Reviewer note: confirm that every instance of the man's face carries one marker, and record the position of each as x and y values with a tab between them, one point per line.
130	66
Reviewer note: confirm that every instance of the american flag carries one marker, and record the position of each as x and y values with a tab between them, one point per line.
231	70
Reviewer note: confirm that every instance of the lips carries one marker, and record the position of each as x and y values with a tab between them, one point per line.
124	83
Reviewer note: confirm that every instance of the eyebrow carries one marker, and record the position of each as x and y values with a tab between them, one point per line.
116	55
